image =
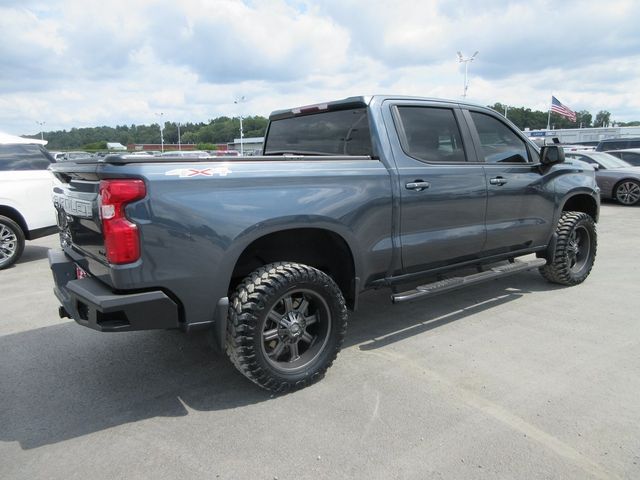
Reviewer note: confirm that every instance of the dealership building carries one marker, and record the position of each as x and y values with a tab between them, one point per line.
582	135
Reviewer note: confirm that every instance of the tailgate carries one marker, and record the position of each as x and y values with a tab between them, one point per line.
76	203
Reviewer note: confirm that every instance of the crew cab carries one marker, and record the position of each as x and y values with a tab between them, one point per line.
269	252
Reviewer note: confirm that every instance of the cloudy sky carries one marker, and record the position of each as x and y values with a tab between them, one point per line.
77	63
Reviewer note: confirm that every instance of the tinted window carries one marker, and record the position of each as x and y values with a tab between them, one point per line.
630	157
615	145
499	143
342	132
431	134
23	157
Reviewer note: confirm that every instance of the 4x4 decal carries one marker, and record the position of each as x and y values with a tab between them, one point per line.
202	172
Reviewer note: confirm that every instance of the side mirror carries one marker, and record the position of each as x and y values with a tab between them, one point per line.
596	166
551	154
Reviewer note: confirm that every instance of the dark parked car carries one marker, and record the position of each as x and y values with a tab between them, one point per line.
617	144
629	155
616	178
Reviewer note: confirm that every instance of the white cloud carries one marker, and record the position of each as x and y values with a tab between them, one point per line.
75	63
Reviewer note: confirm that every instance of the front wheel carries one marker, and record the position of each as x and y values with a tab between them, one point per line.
627	192
11	242
286	325
575	250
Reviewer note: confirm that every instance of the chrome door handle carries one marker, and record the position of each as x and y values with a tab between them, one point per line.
498	181
417	185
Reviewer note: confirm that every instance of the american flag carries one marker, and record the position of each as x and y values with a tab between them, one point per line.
560	109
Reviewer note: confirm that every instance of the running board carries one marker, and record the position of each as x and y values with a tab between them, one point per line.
454	283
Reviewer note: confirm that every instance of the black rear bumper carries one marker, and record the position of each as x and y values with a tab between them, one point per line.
93	304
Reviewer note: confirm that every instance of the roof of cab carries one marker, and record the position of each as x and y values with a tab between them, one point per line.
361	101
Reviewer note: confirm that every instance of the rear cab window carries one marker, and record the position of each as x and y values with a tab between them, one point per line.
337	132
23	157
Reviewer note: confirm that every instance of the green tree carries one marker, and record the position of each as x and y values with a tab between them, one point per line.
522	117
583	119
602	119
95	146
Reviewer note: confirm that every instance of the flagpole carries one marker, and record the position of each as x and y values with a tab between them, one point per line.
549	115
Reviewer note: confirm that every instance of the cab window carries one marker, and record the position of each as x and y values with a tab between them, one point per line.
430	134
498	143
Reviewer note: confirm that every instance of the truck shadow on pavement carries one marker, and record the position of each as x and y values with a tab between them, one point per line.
64	381
32	253
381	324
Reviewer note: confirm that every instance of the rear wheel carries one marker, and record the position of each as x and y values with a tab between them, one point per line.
11	242
627	192
575	251
286	325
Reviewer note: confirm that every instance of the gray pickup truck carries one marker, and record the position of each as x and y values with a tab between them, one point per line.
268	253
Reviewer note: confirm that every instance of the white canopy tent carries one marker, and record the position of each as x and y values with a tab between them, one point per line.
6	139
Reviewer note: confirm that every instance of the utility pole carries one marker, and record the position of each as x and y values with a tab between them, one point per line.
238	101
41	129
161	114
179	145
466	62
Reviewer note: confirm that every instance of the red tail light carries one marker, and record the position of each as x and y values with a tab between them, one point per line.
121	238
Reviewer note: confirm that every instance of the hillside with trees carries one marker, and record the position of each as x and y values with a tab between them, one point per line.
218	130
535	119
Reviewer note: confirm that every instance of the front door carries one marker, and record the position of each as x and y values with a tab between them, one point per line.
520	202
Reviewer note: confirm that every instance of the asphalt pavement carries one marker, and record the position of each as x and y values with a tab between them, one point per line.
513	379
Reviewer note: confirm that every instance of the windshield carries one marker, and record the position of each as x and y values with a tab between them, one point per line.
609	161
603	159
342	132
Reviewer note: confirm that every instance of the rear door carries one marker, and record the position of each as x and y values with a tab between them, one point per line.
520	200
442	186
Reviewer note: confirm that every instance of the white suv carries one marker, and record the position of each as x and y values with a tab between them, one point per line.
26	210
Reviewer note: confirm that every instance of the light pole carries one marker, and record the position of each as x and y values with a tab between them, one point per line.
466	62
161	131
179	145
238	101
41	130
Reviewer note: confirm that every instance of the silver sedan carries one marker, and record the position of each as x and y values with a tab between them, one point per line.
616	178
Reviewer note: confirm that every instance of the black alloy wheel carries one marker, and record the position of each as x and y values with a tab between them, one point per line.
286	325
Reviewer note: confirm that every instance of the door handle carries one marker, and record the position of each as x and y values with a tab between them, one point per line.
417	185
498	181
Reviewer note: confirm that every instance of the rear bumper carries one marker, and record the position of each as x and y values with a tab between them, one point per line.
93	304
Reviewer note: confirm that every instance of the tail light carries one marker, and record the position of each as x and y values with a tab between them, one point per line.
121	238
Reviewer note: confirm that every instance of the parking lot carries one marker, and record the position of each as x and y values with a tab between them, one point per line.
516	378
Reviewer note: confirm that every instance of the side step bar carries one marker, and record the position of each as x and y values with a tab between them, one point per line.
454	283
